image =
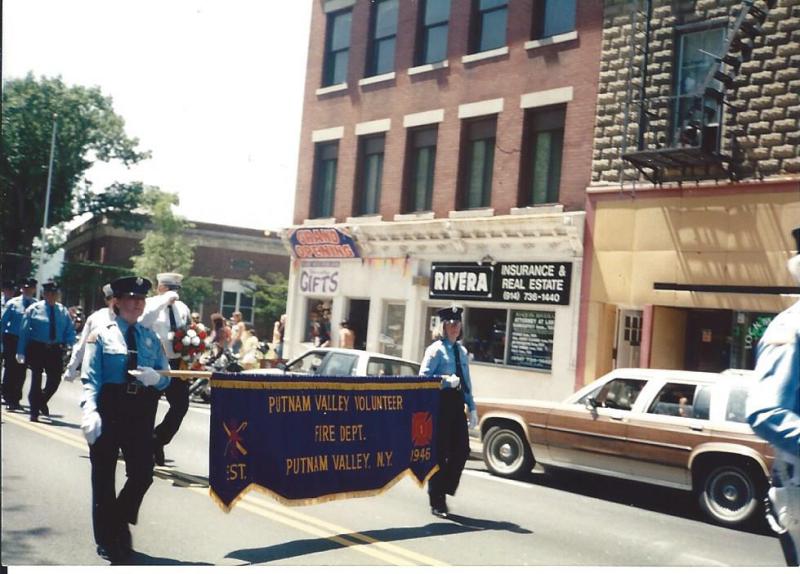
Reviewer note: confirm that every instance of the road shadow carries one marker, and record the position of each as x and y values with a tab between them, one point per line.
670	501
57	423
142	559
455	524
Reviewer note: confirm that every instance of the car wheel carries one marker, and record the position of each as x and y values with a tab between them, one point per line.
729	495
506	453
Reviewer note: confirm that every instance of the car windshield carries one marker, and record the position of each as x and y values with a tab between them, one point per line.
307	363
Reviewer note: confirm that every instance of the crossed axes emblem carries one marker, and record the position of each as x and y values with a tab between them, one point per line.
234	437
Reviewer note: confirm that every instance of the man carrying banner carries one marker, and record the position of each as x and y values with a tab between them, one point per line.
120	397
447	358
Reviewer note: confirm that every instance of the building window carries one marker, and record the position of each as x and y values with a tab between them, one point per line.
324	185
391	340
318	322
544	133
489	25
371	170
553	17
337	48
237	296
382	38
478	162
694	61
421	156
434	20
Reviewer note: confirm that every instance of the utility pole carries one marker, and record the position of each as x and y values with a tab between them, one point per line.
46	208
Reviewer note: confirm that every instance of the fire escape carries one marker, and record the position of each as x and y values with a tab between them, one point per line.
691	150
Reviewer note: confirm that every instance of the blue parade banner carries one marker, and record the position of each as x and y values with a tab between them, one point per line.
306	439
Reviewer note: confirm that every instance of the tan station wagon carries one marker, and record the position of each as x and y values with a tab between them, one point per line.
679	429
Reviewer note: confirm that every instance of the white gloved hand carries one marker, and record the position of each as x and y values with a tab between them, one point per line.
451	381
71	374
170	297
20	359
473	419
147	375
92	426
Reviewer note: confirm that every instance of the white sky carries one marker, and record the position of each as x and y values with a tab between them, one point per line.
213	88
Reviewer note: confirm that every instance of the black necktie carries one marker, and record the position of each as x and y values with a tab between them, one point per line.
459	370
172	324
130	341
52	323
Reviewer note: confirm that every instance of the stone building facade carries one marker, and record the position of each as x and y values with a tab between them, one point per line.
695	183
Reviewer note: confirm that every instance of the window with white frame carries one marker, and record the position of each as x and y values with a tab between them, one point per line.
237	296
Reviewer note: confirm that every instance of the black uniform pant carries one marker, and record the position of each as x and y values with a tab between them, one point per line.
13	372
177	394
42	357
452	445
127	426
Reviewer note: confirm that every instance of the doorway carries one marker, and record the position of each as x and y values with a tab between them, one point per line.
708	340
629	338
359	321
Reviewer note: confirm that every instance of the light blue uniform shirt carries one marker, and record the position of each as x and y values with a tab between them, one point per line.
773	405
36	326
440	360
12	314
106	358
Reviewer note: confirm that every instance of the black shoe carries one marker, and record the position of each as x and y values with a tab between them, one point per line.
44	410
13	407
34	418
158	453
110	552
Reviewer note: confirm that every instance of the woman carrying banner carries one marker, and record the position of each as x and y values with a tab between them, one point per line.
120	397
446	358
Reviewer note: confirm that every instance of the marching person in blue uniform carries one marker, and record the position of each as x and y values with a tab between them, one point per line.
165	314
9	292
447	358
10	323
121	386
773	411
46	330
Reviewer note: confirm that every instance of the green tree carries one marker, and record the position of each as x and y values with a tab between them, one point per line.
165	247
196	290
88	130
270	294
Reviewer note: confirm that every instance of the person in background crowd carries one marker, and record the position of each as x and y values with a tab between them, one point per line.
195	317
10	323
249	353
96	320
165	313
325	326
220	336
347	337
120	397
278	335
9	291
446	358
45	332
237	328
773	411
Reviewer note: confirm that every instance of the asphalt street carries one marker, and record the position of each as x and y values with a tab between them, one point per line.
549	519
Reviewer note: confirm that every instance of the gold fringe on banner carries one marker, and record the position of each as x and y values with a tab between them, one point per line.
328	386
226	508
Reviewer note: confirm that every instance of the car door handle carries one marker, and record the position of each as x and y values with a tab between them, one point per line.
696	427
617	417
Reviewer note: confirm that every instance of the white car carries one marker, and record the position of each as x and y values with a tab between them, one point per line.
334	362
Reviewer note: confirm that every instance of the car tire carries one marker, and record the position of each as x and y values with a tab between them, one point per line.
506	452
729	494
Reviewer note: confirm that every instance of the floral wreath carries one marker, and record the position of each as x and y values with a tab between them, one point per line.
189	343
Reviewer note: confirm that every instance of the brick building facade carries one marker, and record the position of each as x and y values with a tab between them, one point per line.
227	255
693	199
448	135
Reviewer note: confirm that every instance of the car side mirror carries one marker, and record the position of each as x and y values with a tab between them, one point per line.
591	404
